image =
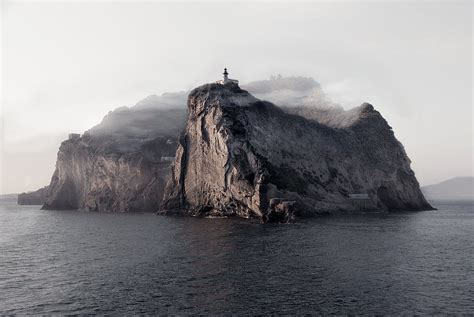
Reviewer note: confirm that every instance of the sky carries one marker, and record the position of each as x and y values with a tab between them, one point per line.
64	65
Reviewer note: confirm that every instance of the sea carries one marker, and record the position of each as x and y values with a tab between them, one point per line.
74	262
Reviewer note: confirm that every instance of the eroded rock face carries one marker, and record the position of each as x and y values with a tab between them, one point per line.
90	178
237	153
121	164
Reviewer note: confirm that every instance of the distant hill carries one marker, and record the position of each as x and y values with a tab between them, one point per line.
36	197
458	188
8	197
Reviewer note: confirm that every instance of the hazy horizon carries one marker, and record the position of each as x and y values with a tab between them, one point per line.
66	65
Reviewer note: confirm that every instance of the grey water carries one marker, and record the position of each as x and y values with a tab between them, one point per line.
58	262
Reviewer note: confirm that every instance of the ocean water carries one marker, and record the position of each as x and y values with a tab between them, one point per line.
57	262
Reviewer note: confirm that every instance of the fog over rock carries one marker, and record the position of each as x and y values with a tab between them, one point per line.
298	95
150	117
280	83
305	97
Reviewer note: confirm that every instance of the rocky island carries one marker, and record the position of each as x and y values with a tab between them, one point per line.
233	154
241	156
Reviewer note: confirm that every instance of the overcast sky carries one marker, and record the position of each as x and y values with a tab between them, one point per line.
66	64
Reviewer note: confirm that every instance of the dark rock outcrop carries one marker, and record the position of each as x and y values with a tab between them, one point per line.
37	197
279	210
237	153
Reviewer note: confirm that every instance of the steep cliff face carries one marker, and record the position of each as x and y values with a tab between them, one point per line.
90	178
122	163
242	156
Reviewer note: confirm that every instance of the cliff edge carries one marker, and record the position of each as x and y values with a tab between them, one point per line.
241	156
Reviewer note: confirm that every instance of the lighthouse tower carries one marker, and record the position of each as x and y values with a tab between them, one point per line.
227	79
226	75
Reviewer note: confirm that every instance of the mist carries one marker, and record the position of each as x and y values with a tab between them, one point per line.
70	77
166	114
305	97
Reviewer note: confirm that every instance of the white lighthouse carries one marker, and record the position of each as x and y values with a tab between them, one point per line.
227	79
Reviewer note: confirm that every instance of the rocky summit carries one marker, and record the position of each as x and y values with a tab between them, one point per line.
241	156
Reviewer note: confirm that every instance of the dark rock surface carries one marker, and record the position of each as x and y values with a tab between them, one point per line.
279	210
237	153
37	197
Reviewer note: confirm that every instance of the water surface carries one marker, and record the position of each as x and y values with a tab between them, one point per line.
80	262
